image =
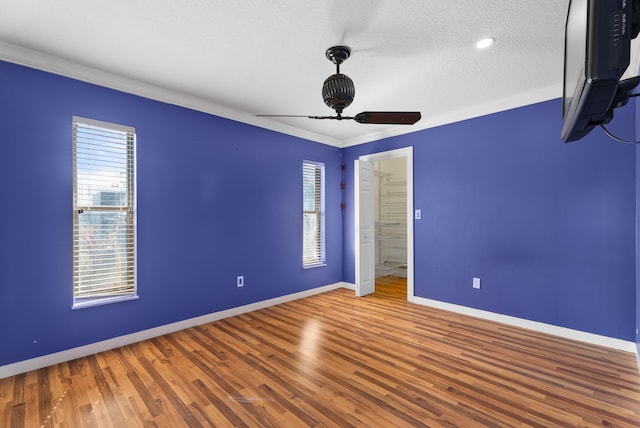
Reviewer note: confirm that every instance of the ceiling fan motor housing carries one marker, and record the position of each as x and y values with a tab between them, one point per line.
338	91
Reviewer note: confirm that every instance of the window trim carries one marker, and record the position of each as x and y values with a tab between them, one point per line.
130	207
321	258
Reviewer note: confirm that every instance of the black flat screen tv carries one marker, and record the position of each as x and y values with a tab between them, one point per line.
597	49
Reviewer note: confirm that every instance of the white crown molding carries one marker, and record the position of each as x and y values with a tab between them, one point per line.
38	60
464	113
479	110
93	348
52	64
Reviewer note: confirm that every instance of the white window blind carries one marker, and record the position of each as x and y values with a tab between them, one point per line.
104	217
313	249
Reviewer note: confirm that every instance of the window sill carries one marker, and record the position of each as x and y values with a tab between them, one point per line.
99	301
315	265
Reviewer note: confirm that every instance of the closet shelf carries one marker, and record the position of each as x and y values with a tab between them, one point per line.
381	237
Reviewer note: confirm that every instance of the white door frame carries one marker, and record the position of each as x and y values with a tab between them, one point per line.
407	153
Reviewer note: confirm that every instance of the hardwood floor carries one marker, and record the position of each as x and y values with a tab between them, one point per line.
335	360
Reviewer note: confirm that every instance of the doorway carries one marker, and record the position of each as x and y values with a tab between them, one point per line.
390	202
384	218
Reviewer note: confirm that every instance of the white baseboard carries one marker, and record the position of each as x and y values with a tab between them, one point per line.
93	348
349	286
555	330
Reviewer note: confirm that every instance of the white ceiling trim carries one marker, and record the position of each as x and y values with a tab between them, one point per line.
466	112
55	65
236	59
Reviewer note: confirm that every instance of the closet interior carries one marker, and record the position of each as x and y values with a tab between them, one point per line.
391	217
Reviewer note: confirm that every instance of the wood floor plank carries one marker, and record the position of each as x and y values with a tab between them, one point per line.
336	360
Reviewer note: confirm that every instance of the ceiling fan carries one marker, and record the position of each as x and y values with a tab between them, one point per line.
338	92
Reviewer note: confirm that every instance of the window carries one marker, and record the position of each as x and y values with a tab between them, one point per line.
313	214
104	216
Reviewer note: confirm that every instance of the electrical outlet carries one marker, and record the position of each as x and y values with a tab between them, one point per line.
240	281
476	283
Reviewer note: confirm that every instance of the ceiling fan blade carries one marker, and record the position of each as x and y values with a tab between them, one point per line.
388	117
373	117
281	115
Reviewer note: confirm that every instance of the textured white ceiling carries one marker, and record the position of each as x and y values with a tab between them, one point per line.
245	57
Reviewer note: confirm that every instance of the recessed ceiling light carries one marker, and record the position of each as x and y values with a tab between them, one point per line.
485	43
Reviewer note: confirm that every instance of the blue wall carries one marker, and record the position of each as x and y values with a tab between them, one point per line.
216	199
548	227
